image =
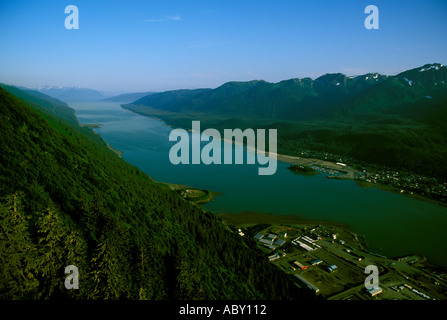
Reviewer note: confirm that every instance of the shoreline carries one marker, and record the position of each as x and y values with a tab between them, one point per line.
252	218
349	175
118	152
348	172
191	194
93	126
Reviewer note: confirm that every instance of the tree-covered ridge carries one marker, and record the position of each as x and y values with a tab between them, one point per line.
331	95
66	199
44	103
289	99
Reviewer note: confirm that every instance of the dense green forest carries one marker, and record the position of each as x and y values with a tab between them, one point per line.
395	121
67	199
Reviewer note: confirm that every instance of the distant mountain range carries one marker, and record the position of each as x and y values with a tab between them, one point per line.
128	97
71	94
398	121
296	98
303	99
78	94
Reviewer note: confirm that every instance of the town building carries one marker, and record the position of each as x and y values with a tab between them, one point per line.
374	291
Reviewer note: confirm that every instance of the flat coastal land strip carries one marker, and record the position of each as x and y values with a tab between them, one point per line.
348	171
252	218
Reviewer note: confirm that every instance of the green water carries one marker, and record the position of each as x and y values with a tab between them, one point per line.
393	224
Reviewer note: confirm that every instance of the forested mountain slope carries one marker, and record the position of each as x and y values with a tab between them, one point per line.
66	199
295	99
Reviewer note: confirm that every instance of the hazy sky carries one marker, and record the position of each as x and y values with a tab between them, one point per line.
133	45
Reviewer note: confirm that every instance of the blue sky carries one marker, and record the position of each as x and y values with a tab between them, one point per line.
129	46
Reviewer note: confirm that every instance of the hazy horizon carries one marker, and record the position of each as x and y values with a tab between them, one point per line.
111	93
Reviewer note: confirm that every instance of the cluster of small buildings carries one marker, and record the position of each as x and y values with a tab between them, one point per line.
270	241
418	292
375	291
409	182
406	181
332	172
306	243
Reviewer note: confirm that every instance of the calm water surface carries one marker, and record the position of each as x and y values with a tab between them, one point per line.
393	224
